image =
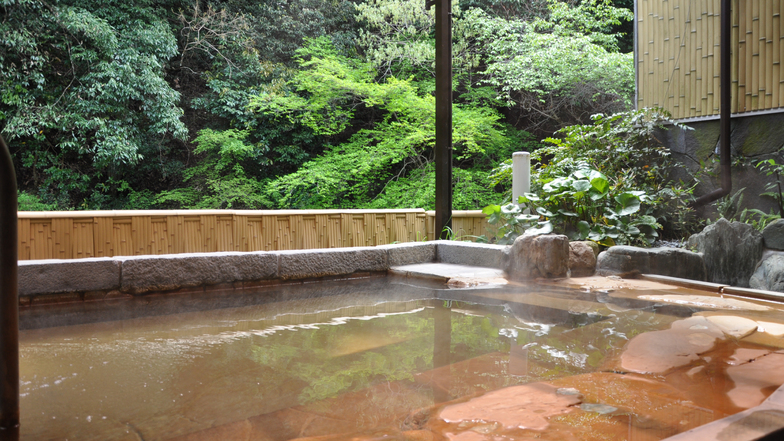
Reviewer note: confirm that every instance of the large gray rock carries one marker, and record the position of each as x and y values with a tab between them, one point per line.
582	259
73	275
730	250
769	274
471	254
161	273
773	235
302	264
628	261
544	256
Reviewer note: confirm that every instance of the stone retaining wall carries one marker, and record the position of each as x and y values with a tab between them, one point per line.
101	277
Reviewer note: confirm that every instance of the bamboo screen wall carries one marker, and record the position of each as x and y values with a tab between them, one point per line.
678	56
71	235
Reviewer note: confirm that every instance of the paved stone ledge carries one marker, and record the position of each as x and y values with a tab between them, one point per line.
142	274
60	276
472	254
410	253
162	273
299	264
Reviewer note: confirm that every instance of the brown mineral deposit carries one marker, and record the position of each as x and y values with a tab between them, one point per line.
737	327
523	407
660	351
706	302
755	379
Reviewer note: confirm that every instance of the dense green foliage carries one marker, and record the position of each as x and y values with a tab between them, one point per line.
606	181
295	104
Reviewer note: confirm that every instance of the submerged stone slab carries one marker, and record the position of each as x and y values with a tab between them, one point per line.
734	326
471	254
730	250
658	352
160	273
706	302
526	406
302	264
628	261
545	256
58	276
410	253
755	377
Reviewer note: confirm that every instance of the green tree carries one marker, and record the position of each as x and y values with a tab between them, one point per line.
84	92
326	95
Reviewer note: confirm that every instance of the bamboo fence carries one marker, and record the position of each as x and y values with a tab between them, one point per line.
678	56
80	234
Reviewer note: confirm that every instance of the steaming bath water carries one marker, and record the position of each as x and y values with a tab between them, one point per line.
378	359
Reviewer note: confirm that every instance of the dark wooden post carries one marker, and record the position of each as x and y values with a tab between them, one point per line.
9	300
443	153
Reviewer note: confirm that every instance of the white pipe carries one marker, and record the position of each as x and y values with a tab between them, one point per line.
521	174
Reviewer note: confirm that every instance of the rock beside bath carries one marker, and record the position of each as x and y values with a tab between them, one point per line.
628	261
532	257
731	251
582	258
773	235
769	274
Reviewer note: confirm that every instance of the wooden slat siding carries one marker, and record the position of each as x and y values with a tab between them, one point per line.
346	230
106	234
669	42
405	229
751	81
102	233
706	80
334	231
735	38
141	240
755	60
41	239
710	59
678	56
193	239
174	229
776	56
122	237
269	233
82	239
648	51
23	237
240	232
159	235
322	234
259	231
224	233
692	43
283	233
61	237
421	226
740	61
209	224
777	39
304	232
712	76
716	56
677	74
767	42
